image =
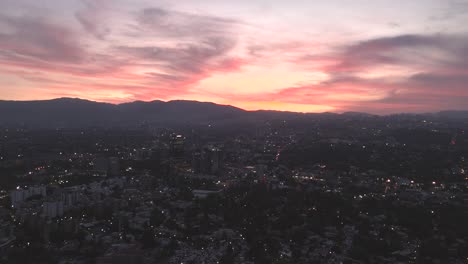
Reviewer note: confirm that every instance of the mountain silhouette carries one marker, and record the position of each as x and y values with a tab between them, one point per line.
74	112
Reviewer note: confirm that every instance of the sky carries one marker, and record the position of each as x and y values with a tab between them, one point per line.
370	56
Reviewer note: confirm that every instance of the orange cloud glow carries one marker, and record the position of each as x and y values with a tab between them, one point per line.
136	51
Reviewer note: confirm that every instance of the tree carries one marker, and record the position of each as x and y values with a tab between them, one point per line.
147	239
157	217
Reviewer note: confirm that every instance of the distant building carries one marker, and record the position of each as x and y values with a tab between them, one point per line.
107	166
52	209
143	154
101	165
20	195
114	167
177	145
70	196
207	161
196	162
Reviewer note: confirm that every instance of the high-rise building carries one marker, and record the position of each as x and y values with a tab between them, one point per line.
177	145
196	162
20	195
114	167
101	165
207	161
53	209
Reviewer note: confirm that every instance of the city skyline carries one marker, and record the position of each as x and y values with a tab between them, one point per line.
378	57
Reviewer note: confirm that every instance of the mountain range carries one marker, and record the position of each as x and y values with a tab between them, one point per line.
73	112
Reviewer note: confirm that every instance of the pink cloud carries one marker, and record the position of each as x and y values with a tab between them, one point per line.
143	72
165	54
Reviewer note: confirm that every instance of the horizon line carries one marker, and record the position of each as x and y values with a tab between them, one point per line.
229	105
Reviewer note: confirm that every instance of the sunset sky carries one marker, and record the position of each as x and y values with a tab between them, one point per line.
310	56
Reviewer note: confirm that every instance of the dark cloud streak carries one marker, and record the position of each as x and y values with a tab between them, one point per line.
90	18
167	23
37	39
